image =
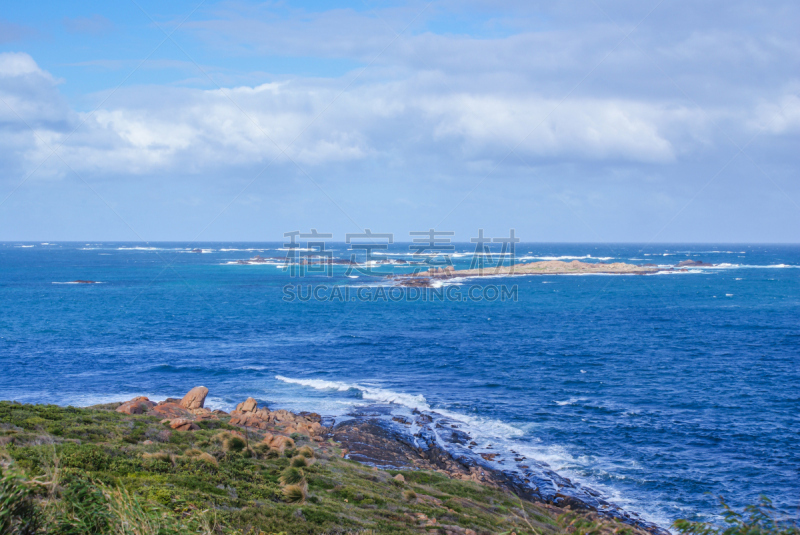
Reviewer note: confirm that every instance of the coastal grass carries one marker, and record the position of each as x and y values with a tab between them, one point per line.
66	470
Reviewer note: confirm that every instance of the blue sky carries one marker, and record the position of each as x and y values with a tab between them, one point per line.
569	121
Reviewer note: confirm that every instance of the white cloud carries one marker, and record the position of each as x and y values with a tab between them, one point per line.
579	128
781	117
192	131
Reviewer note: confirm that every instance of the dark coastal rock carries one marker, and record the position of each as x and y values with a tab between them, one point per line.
414	282
311	416
383	443
694	263
138	405
195	398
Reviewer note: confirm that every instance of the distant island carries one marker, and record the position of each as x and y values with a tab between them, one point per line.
547	267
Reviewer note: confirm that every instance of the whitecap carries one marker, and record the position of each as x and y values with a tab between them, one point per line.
379	395
570	401
566	257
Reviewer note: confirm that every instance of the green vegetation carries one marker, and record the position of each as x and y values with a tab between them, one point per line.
760	519
70	471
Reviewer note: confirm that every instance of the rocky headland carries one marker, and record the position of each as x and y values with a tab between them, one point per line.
180	466
387	444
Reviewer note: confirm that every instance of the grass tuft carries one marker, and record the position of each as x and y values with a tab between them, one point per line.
294	494
299	462
291	476
306	452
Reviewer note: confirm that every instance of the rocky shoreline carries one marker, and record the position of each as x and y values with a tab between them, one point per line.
389	443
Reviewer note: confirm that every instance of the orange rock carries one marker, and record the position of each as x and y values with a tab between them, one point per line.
281	443
247	420
195	398
138	405
182	424
282	416
248	405
170	410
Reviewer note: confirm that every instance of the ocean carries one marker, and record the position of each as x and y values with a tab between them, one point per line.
660	392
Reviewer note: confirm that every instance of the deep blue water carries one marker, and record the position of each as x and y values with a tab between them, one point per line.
652	389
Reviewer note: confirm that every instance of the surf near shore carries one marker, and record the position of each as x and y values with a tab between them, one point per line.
376	436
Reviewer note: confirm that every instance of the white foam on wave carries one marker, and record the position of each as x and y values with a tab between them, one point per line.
566	257
480	427
726	265
570	401
375	394
503	437
719	252
278	263
593	472
678	272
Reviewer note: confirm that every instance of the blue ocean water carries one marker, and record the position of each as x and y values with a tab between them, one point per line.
654	390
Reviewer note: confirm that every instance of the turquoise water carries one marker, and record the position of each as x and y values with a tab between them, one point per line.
653	390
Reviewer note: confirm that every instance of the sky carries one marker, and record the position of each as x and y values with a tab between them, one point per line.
569	121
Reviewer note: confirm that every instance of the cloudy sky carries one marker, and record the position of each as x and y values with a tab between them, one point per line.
584	120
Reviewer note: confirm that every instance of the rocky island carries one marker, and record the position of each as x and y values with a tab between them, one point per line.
548	267
177	467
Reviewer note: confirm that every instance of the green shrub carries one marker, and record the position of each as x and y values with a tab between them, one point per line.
18	514
235	444
85	457
85	510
